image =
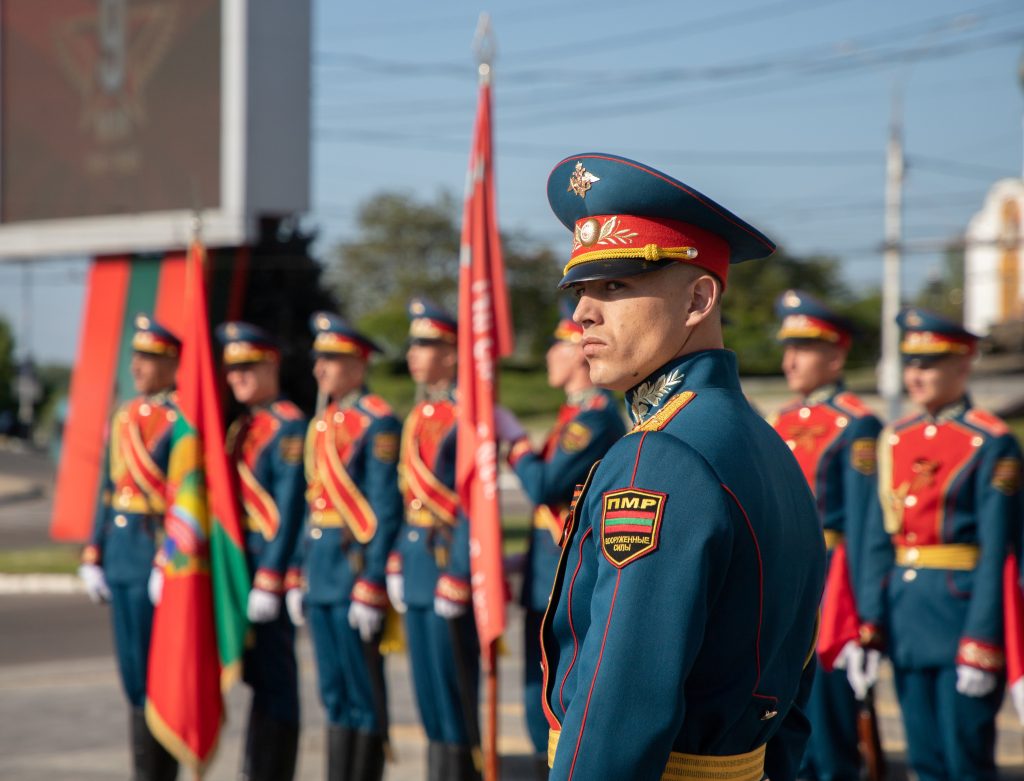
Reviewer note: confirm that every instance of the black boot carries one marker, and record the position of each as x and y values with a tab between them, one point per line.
270	749
339	753
367	757
436	755
460	765
152	762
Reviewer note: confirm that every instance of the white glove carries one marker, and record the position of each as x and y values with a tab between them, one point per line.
972	682
507	425
155	586
1017	697
95	582
861	667
263	606
447	609
368	620
293	603
396	591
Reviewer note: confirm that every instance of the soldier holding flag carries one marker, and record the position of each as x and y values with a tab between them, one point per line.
933	590
832	434
354	512
120	564
265	448
428	572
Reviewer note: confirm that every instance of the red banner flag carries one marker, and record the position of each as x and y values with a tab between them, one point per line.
1013	630
199	625
485	334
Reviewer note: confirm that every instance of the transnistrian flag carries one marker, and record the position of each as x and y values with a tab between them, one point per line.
199	626
485	334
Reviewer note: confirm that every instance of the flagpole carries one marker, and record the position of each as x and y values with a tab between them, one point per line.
484	48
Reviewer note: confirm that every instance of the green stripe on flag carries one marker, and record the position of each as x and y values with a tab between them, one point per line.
141	297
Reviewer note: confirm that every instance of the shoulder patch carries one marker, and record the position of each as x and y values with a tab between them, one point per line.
291	449
852	405
662	417
286	410
864	455
375	405
986	421
385	447
1006	476
630	524
575	437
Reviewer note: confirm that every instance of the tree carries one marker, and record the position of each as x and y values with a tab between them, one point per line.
407	247
749	303
943	292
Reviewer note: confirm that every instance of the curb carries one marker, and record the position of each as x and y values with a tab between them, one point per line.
22	495
11	585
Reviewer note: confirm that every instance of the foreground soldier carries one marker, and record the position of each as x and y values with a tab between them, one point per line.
679	635
588	424
832	434
428	573
354	513
119	564
949	483
265	447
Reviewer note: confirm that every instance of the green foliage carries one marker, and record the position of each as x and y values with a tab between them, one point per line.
8	369
407	247
943	292
749	303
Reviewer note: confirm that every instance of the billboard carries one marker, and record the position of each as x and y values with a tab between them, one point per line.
121	118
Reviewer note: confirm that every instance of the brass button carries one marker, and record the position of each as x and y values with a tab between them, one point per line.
414	535
120	520
930	431
910	501
321	503
316	534
428	410
769	714
339	417
910	576
842	422
894	439
913	554
172	415
805	412
144	409
977	441
416	504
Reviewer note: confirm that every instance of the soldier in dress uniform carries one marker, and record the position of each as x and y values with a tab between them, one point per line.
354	513
832	433
120	564
588	424
932	577
678	641
265	446
428	572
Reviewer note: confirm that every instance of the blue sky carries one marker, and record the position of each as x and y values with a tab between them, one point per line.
779	109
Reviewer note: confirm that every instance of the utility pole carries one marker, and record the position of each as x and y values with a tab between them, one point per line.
890	381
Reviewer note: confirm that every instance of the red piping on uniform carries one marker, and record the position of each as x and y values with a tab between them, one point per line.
593	682
575	640
760	587
632	480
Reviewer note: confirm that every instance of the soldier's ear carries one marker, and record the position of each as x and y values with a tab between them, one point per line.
705	292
